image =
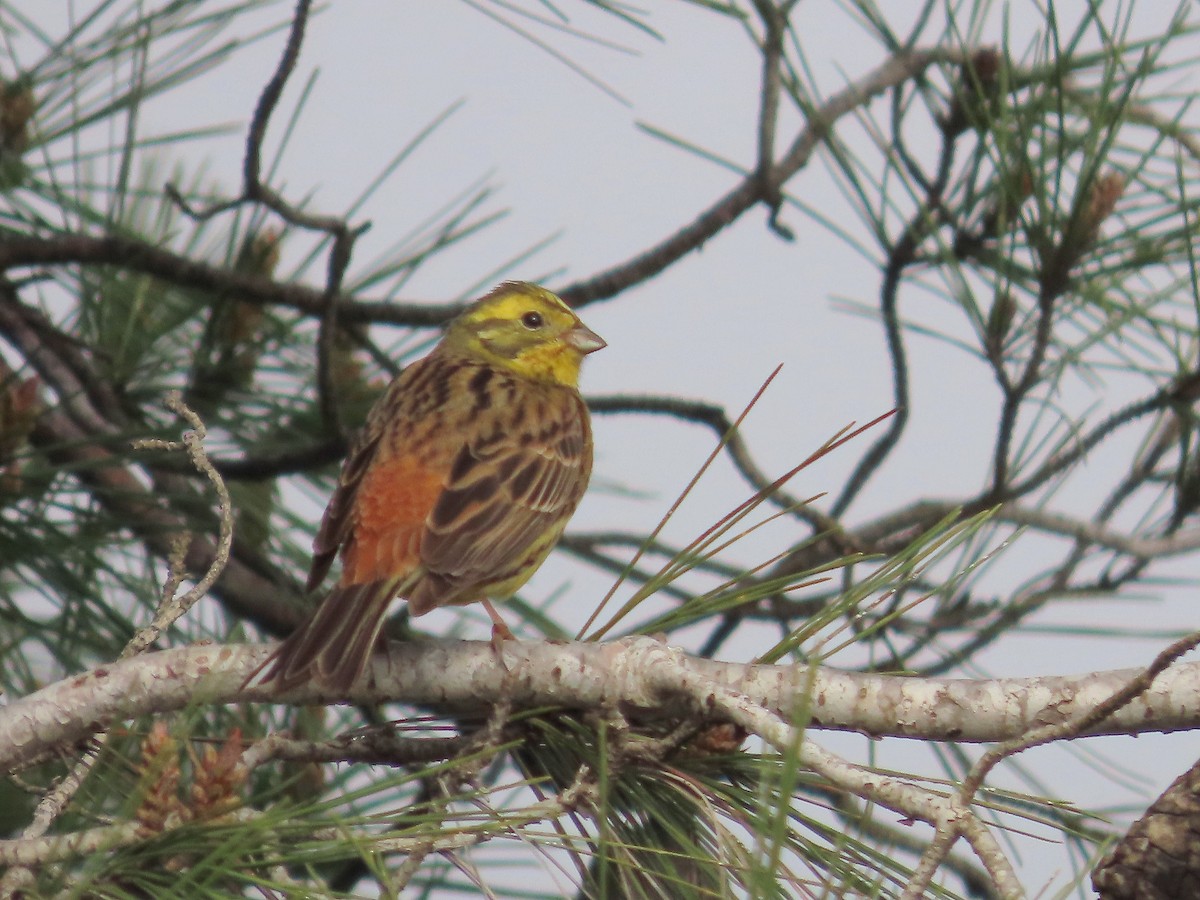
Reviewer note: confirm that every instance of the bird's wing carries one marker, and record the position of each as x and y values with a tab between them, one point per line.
507	496
385	485
336	522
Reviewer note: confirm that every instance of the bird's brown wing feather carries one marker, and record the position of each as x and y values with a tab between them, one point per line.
507	496
406	402
337	521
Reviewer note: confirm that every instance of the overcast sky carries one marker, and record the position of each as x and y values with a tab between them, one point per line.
568	160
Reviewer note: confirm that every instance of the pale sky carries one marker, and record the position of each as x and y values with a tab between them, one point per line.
569	160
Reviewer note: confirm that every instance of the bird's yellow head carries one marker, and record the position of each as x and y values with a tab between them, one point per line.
527	329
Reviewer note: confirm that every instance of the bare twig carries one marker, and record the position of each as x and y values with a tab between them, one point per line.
900	256
717	419
775	22
172	607
754	189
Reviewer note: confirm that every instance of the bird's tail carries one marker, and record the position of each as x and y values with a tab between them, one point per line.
332	648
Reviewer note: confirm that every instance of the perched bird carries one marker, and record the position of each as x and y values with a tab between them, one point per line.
458	486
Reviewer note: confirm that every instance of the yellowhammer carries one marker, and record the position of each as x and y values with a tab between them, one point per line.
460	484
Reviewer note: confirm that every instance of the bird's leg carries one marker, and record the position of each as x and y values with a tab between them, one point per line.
500	633
500	629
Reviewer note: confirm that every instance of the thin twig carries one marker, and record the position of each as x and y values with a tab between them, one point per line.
193	444
717	419
901	255
752	190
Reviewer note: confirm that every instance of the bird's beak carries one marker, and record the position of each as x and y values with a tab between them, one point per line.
584	339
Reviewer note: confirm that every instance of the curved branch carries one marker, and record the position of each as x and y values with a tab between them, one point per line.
901	526
902	254
138	256
468	676
714	417
756	187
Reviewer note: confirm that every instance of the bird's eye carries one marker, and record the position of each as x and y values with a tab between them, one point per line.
532	320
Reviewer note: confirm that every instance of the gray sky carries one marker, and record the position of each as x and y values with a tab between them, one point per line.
569	160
